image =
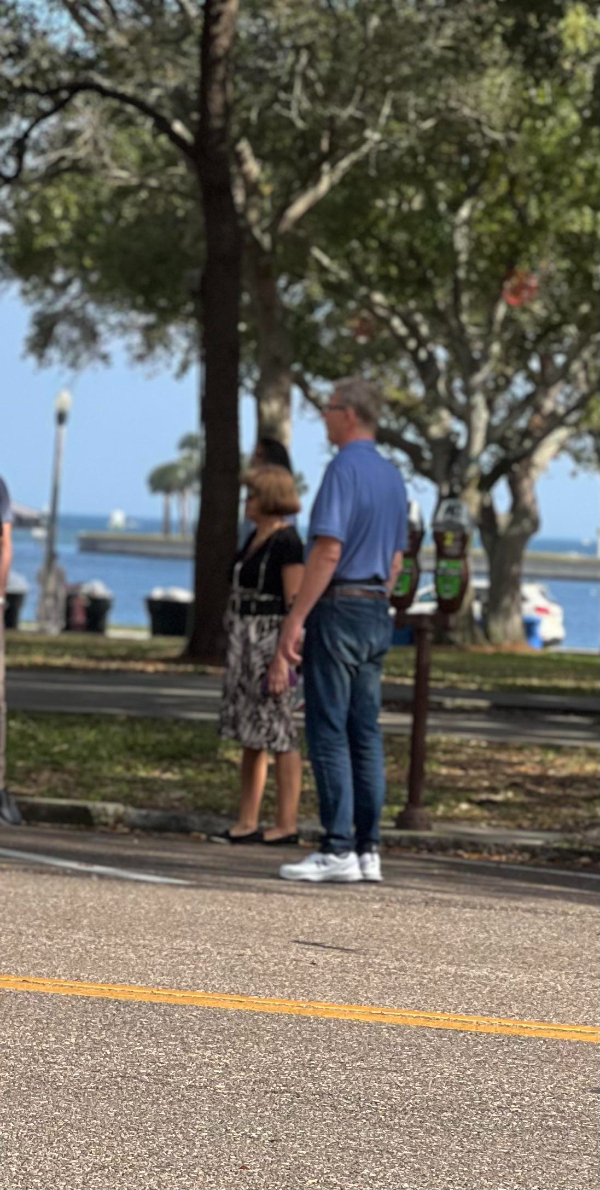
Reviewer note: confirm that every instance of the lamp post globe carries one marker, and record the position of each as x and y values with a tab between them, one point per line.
63	402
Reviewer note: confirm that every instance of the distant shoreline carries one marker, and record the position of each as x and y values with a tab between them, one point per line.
537	564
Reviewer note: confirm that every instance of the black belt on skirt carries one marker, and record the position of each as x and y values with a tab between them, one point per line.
258	607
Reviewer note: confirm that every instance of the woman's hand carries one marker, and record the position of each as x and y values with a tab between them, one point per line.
278	677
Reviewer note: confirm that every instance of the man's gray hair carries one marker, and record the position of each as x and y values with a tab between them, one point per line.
361	396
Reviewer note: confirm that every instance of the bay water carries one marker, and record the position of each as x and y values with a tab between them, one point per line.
131	578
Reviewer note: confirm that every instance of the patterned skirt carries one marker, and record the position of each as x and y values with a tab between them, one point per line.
257	720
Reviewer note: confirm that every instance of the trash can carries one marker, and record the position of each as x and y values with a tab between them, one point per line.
99	601
531	625
75	608
170	610
17	589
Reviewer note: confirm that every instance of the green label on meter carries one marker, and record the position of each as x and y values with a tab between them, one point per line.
402	587
448	578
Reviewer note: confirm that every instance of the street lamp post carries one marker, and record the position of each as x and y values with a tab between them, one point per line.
52	580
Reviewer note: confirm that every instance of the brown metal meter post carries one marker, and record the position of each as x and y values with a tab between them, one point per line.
414	817
452	530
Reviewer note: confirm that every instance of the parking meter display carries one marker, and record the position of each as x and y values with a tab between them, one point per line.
408	579
452	529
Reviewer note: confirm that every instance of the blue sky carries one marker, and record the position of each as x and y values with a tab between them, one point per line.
125	421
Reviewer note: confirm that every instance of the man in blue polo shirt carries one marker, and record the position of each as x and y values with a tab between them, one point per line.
356	537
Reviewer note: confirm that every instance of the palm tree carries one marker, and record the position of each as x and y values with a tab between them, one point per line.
191	448
166	479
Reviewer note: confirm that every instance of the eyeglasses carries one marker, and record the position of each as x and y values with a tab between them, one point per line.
331	408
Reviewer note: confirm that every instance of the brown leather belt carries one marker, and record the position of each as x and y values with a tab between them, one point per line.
339	592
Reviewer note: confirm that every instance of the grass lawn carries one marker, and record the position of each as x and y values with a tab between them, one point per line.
80	650
493	669
154	763
566	674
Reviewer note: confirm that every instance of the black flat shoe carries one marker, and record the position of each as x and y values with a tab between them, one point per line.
284	841
253	837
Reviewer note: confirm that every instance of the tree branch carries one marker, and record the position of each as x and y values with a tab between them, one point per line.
247	194
533	440
187	9
409	327
329	177
389	436
19	145
175	130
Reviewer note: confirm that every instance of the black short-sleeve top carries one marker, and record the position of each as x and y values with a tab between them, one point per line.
282	548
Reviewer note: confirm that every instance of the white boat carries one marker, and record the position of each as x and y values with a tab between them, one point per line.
117	520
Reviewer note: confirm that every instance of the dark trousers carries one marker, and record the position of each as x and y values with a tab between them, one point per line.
346	642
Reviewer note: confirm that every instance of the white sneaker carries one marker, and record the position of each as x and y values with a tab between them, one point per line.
370	866
322	866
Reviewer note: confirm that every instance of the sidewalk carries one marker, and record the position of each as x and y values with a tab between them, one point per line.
449	837
452	698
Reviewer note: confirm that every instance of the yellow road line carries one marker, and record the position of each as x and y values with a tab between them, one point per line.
310	1008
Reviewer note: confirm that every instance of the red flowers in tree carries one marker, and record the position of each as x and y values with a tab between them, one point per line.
519	288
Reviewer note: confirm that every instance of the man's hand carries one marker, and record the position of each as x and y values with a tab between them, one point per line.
290	639
397	563
278	675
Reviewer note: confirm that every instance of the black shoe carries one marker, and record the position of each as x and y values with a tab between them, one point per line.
9	811
253	837
283	841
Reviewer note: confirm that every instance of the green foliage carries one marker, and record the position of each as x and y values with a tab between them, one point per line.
166	478
470	129
495	178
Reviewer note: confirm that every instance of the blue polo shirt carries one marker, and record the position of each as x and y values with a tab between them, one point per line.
362	503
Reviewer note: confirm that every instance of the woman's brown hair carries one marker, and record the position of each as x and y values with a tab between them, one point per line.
274	490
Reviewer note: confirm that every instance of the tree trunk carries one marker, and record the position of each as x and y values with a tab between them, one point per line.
274	387
182	502
505	540
167	514
216	536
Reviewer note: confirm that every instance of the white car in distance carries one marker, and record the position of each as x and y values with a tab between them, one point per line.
535	602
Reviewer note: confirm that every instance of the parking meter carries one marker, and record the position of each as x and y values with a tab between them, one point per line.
408	579
452	530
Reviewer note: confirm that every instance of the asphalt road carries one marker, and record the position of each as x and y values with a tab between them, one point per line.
196	697
107	1094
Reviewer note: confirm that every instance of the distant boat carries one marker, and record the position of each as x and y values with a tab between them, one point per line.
40	532
117	520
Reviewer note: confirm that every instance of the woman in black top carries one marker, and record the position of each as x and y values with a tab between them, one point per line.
257	707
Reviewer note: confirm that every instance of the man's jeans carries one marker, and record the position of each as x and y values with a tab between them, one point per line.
346	642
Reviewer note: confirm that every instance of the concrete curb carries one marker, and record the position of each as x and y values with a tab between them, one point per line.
548	845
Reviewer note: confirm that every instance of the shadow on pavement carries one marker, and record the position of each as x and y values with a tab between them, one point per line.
211	866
